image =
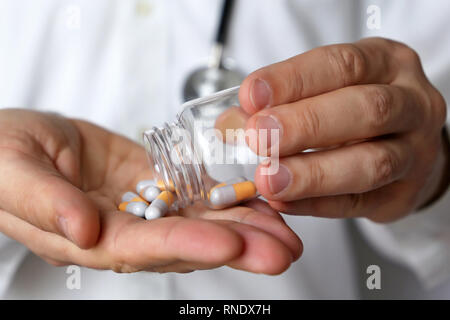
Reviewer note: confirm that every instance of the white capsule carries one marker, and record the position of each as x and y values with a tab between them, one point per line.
129	196
222	196
137	208
157	209
153	213
150	193
143	184
228	195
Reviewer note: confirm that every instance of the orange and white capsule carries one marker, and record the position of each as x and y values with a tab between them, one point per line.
228	182
229	195
160	206
134	204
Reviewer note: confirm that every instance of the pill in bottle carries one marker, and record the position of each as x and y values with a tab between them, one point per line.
204	155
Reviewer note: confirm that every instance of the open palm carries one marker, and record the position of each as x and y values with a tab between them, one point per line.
61	182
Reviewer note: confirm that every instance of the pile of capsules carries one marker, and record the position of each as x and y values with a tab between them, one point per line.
153	200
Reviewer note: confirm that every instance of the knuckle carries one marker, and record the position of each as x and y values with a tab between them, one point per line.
122	267
118	259
120	262
316	178
309	122
294	86
406	55
439	107
383	169
433	106
378	100
423	101
349	62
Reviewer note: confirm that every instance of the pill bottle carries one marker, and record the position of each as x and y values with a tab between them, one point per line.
205	147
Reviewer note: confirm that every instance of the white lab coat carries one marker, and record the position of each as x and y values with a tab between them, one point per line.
122	64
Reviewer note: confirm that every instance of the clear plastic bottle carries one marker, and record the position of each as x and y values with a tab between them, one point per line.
205	146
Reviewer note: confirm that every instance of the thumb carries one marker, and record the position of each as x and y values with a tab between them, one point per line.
39	195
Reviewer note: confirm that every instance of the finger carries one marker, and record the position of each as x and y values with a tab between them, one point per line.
318	71
165	243
269	224
139	244
129	244
381	205
52	247
132	245
344	115
40	196
263	207
250	262
263	253
355	168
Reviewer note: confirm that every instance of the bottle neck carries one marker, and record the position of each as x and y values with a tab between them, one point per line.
173	158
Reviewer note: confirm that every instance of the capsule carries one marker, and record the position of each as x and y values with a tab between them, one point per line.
156	183
160	206
228	195
134	204
136	208
227	182
132	197
144	184
150	193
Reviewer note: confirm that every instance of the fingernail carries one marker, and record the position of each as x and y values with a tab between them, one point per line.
260	94
268	123
280	180
64	228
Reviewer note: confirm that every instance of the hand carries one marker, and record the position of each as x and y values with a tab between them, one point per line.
61	181
372	114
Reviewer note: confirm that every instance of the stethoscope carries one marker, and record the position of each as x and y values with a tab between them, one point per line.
215	76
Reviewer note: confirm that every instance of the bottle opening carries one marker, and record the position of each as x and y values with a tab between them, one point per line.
172	157
206	147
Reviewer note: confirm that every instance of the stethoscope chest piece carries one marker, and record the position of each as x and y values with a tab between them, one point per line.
205	81
214	77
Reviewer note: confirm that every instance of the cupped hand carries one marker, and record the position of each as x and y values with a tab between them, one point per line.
373	118
61	181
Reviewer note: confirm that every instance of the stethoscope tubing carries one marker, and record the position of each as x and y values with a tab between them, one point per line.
216	60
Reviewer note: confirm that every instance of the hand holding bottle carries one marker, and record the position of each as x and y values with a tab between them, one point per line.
376	119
